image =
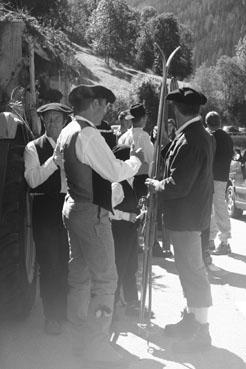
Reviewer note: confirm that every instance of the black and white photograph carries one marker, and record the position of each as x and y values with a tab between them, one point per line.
122	184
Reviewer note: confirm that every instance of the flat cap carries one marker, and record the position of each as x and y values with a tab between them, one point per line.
187	96
136	111
122	152
54	106
90	91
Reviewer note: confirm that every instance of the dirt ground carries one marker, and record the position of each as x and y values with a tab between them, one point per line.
24	345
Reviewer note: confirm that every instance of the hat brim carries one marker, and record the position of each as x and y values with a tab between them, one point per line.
129	117
55	107
189	97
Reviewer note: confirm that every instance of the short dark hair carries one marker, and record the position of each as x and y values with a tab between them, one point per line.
81	104
82	96
212	119
187	109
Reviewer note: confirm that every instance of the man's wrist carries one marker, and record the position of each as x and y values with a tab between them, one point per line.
54	161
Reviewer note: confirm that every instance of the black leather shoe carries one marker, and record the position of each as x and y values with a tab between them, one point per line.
222	249
199	341
184	328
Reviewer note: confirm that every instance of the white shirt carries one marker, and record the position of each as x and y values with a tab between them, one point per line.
36	174
117	198
140	139
186	124
91	149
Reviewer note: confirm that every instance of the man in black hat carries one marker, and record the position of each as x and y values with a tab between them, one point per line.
47	182
186	196
139	138
90	167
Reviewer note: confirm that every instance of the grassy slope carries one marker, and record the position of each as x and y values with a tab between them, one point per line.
96	71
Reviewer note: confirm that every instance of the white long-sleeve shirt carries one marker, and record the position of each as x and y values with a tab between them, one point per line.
35	173
139	138
117	198
91	149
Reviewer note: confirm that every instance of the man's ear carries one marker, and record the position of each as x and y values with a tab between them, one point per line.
95	103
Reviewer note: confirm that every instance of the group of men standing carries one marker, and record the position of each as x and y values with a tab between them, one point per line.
74	159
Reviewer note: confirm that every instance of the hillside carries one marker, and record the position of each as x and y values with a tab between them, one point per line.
217	24
117	78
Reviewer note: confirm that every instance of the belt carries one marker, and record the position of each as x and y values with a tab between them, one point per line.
61	194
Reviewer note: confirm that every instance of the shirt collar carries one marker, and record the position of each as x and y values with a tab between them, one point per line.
79	117
51	141
186	124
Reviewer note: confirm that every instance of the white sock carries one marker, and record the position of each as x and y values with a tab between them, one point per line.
201	314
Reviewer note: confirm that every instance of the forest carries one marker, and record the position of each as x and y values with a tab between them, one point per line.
217	25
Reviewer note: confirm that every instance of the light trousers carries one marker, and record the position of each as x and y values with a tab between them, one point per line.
191	268
92	276
220	225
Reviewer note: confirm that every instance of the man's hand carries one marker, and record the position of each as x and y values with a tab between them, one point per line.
133	217
58	159
138	153
153	184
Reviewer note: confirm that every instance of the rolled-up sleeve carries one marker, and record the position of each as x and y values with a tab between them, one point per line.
35	174
91	149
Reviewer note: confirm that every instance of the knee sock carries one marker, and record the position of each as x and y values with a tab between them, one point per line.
201	314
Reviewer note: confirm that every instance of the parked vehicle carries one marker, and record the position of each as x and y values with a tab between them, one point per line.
236	189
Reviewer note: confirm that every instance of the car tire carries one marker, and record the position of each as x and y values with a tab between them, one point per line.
233	211
18	271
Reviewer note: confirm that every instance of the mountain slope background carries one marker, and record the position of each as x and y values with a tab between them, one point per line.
217	25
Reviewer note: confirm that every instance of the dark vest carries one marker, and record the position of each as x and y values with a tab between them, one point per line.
84	184
129	204
52	186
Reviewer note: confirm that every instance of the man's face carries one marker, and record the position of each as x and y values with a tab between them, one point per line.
125	124
99	107
53	121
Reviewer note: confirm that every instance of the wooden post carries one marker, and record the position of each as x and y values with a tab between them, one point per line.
35	121
11	57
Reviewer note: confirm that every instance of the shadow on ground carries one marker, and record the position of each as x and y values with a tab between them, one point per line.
160	348
237	257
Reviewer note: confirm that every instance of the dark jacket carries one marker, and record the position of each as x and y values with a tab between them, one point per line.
188	180
223	155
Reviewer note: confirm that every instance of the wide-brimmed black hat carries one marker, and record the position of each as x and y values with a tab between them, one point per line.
90	91
54	106
187	96
136	111
122	152
125	115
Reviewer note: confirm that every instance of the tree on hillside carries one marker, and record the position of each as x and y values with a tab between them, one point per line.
241	53
147	13
145	48
166	34
146	90
234	85
225	87
209	82
78	16
112	30
164	30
